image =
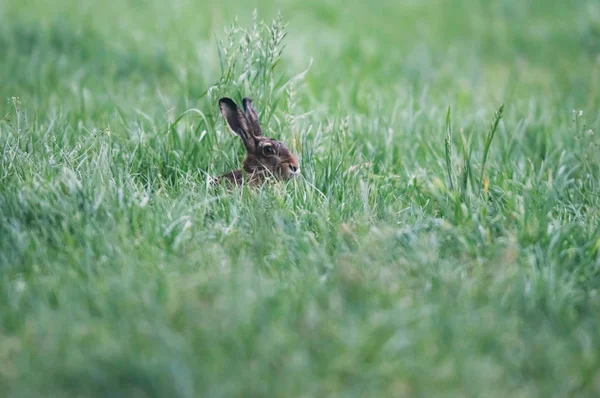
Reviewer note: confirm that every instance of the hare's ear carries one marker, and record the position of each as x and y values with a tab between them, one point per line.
252	116
236	121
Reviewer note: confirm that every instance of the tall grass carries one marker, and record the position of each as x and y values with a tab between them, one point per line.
423	252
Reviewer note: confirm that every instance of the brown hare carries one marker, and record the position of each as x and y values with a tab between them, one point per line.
266	158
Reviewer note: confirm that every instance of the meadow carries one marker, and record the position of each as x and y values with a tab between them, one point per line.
442	241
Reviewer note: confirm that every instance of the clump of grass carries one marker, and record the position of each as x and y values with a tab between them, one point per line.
467	149
249	59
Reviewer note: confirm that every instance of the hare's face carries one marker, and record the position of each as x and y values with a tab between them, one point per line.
264	156
272	157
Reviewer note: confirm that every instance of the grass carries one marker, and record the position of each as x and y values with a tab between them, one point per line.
424	252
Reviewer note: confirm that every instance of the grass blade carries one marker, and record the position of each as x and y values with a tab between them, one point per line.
448	147
488	142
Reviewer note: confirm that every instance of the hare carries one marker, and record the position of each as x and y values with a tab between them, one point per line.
265	157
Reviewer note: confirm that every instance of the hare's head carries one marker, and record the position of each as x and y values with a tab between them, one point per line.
264	156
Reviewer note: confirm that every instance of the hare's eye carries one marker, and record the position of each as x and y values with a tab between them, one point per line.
268	150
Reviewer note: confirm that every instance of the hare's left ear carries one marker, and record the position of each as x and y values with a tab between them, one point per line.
251	116
237	122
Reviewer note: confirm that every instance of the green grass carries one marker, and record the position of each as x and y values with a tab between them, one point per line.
437	245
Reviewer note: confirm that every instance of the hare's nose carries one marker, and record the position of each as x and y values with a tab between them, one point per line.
294	169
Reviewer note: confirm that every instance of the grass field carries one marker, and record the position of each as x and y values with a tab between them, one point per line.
437	244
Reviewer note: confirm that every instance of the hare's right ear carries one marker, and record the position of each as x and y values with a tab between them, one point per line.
251	116
237	122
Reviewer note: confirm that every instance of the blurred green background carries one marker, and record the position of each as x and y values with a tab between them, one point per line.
477	48
395	267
